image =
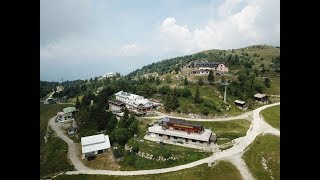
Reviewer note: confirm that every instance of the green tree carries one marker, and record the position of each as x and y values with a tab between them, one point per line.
164	89
171	102
196	98
168	79
210	77
158	81
223	79
267	82
258	86
185	81
185	92
120	135
135	149
112	122
256	72
200	81
176	69
151	79
77	103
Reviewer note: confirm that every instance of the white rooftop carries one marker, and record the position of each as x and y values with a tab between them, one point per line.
258	95
135	99
239	102
204	136
95	143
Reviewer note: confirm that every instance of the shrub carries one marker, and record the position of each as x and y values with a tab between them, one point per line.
135	149
205	112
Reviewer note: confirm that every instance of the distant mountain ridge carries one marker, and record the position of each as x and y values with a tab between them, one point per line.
248	54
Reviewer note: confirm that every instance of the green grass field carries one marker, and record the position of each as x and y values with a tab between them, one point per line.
209	97
53	154
227	129
268	147
272	116
222	171
274	87
185	155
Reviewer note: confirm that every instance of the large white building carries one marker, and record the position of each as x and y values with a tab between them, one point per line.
95	144
137	104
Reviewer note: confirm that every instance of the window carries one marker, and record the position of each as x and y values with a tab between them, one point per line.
160	135
182	129
193	140
196	131
175	138
201	142
176	128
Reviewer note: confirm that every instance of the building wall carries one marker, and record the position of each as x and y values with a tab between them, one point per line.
190	130
113	107
165	137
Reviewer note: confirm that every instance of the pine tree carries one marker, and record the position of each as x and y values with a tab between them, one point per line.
77	103
267	82
196	98
186	81
210	77
200	81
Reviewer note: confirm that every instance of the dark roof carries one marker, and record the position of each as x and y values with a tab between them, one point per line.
207	64
183	122
116	102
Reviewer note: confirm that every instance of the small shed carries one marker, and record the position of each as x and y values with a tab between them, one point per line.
95	144
72	131
69	112
261	98
240	104
49	101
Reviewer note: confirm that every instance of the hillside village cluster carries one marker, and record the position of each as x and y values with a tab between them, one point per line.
167	130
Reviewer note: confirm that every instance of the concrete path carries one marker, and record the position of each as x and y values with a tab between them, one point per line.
241	166
72	149
257	127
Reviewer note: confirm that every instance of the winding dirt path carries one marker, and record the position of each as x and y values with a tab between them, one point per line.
257	127
72	149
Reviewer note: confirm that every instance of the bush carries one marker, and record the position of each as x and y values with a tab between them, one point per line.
205	112
135	149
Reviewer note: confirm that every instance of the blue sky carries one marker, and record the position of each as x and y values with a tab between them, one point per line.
80	39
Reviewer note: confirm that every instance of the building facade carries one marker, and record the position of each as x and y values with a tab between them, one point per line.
176	130
135	103
203	68
95	144
116	105
261	98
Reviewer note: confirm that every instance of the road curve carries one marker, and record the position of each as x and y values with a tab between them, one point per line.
257	127
72	149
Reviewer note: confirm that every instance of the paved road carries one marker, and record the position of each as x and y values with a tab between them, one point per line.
241	166
72	149
257	127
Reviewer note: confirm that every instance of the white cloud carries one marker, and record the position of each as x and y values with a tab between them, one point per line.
257	22
131	50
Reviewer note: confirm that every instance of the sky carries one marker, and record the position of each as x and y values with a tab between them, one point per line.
80	39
